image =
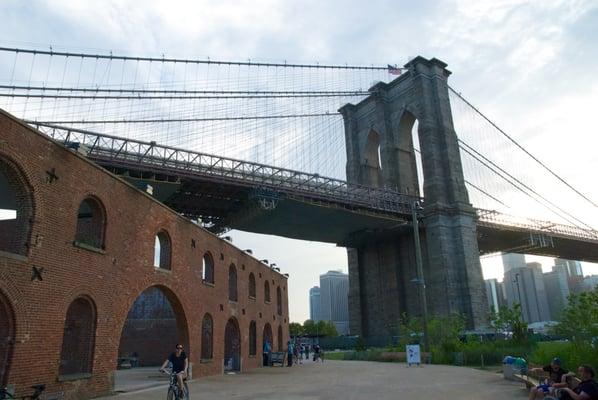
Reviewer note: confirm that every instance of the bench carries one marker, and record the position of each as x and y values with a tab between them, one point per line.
278	357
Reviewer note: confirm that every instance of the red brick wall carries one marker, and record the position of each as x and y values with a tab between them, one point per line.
113	278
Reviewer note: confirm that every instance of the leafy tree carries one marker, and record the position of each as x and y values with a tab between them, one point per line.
509	320
296	329
320	328
579	320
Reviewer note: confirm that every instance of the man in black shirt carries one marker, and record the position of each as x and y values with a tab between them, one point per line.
180	363
586	390
555	381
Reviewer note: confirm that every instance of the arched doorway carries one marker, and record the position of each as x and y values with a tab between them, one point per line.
232	346
155	324
267	338
78	339
7	336
411	176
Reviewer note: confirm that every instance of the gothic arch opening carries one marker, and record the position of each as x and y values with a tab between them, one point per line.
252	285
232	346
155	324
208	268
16	209
207	337
267	292
411	176
252	339
371	161
7	338
76	356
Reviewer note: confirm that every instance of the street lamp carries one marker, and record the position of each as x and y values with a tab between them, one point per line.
415	208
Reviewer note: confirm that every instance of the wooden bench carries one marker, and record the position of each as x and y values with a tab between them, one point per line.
278	357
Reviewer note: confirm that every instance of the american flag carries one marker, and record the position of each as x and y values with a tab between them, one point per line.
393	70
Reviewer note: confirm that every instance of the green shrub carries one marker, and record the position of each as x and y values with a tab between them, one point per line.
571	354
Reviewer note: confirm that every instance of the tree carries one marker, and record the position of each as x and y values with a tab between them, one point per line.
296	329
510	320
579	320
320	328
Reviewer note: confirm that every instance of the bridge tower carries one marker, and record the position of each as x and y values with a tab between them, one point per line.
380	153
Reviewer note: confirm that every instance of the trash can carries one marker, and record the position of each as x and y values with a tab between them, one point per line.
508	367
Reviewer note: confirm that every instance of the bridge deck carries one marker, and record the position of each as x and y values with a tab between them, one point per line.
230	193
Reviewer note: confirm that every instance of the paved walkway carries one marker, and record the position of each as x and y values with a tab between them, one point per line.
348	380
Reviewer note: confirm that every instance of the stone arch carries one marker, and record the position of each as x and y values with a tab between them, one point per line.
410	160
232	346
251	283
232	283
162	250
266	291
371	165
280	339
155	323
16	208
208	267
279	300
7	338
78	340
207	337
252	338
91	222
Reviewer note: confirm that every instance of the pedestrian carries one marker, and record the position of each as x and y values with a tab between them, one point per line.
289	354
297	354
266	353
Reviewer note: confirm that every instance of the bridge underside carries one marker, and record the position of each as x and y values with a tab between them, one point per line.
225	205
494	239
221	206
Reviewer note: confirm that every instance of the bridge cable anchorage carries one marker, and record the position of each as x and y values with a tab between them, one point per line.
523	148
468	149
189	61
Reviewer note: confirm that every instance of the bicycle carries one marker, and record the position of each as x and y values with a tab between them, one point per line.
174	393
38	389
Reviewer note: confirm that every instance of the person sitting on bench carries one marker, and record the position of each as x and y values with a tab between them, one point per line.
555	379
587	388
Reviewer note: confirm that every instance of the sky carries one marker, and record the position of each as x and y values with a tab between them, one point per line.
529	65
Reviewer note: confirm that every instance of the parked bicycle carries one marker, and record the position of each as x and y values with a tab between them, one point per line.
174	392
37	392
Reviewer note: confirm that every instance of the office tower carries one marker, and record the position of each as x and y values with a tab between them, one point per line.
573	268
315	308
526	286
334	297
512	260
557	291
494	294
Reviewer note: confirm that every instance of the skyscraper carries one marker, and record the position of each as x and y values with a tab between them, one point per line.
494	294
334	297
557	291
526	286
512	260
315	307
572	268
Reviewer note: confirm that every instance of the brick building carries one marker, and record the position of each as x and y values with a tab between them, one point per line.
92	269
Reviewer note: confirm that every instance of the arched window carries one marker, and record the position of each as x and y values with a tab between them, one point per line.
252	285
280	344
252	339
267	292
162	250
90	223
232	283
16	210
208	268
207	337
7	337
76	356
279	300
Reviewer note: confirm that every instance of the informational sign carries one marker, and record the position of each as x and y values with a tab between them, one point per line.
413	355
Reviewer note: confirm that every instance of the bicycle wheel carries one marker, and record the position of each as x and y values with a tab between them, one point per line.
171	394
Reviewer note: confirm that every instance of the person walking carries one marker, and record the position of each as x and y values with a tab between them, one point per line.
266	353
289	354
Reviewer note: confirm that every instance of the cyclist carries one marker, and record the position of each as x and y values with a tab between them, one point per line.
180	363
